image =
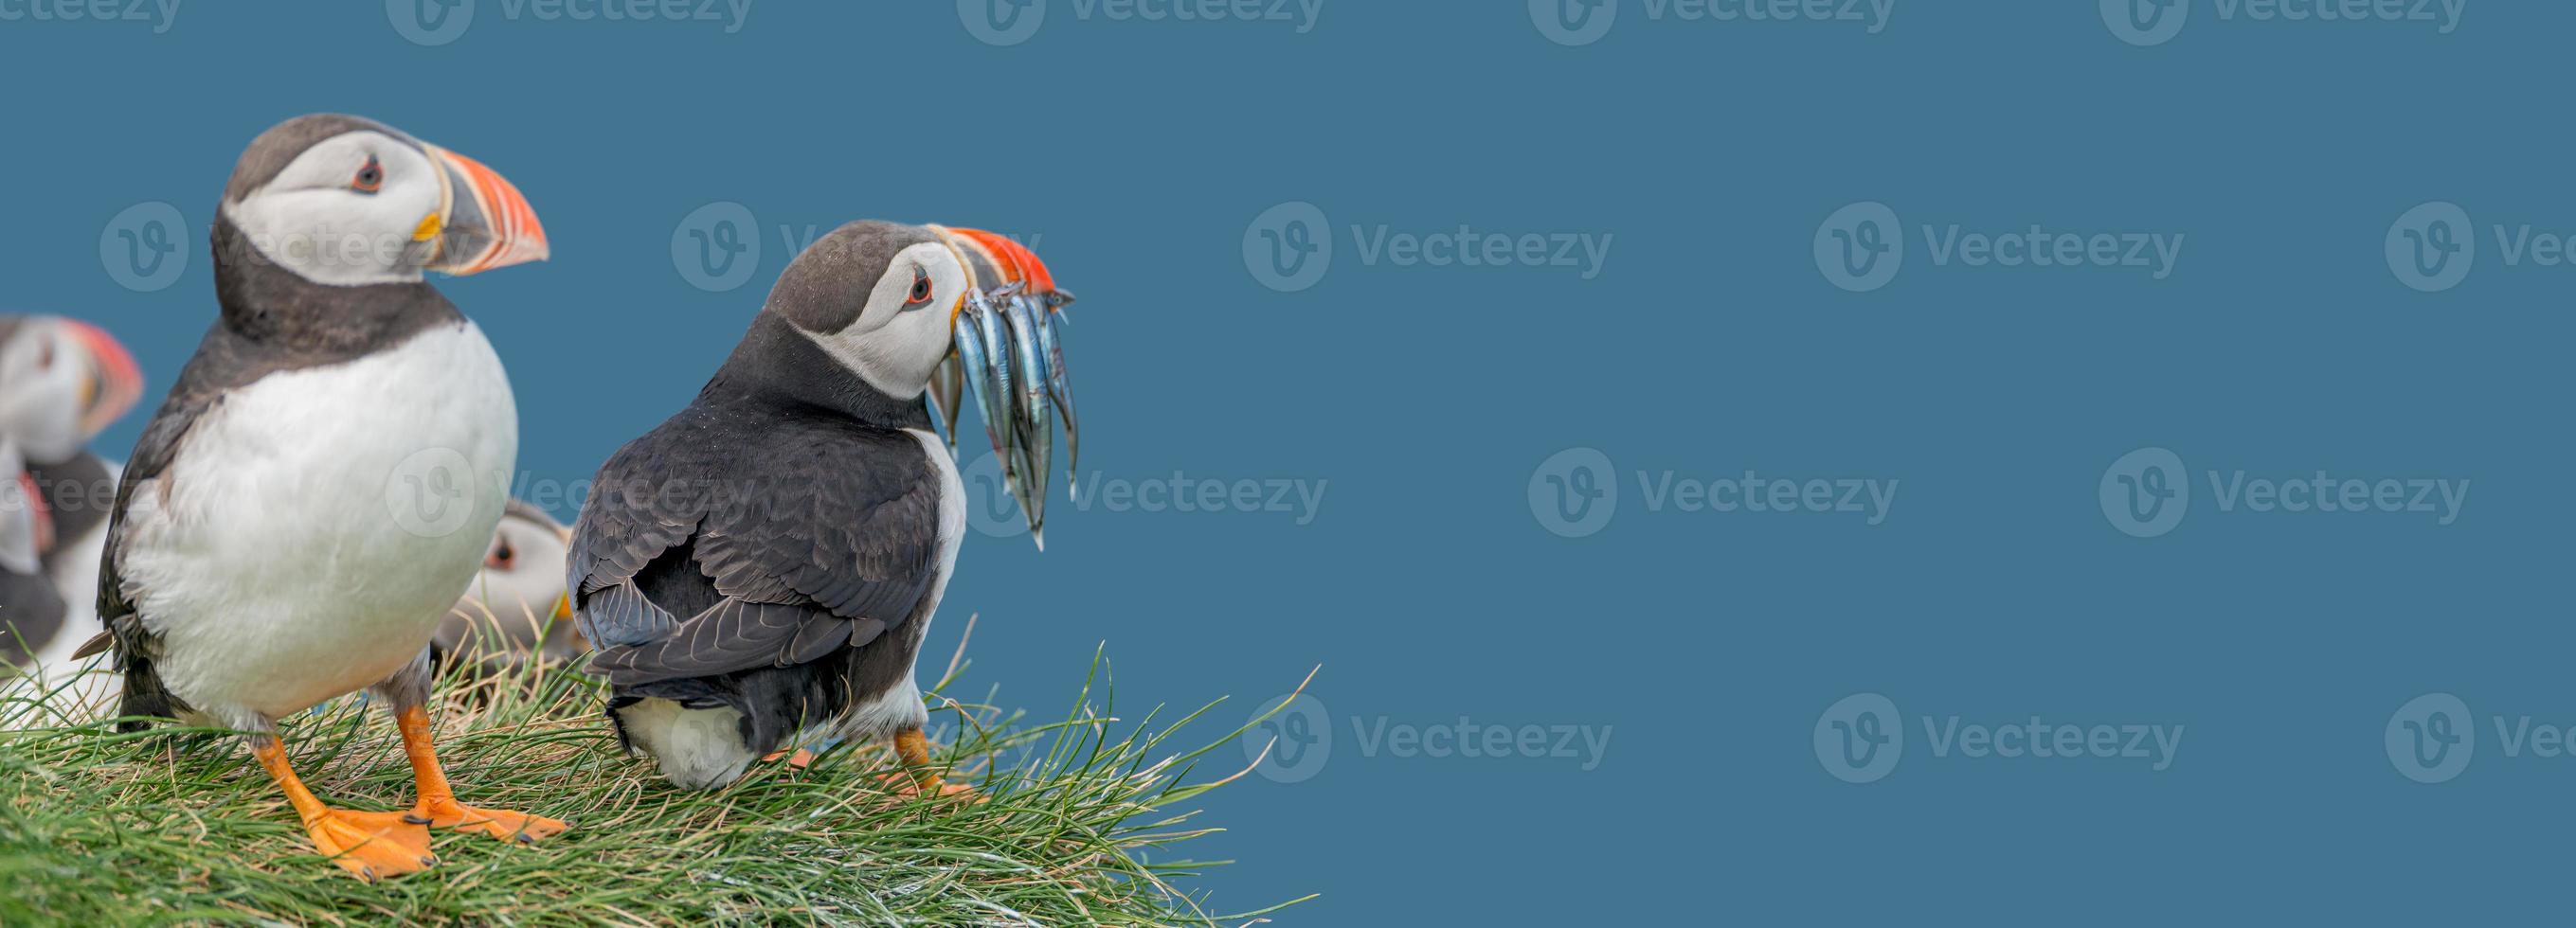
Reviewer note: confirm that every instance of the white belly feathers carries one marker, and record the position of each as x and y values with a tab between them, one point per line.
315	525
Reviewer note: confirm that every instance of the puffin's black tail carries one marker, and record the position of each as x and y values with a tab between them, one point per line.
144	696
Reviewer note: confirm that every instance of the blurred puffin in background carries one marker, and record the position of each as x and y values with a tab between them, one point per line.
31	611
758	571
62	382
517	612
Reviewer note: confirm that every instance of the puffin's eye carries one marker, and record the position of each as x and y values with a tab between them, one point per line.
45	356
502	557
920	294
370	179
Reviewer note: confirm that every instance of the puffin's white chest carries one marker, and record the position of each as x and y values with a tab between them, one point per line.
316	525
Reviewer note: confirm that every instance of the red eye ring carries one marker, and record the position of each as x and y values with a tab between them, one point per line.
371	177
920	289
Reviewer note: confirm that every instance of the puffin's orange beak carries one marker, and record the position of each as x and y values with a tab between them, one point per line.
115	383
482	222
1011	261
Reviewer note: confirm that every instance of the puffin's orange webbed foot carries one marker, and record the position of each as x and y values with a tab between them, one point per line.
800	760
913	749
499	823
910	786
371	845
438	807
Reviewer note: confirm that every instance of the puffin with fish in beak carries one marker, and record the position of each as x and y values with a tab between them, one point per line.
758	571
62	381
328	469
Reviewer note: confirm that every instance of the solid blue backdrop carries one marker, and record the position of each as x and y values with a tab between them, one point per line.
1690	654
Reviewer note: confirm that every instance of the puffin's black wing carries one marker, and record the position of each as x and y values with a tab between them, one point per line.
713	547
31	614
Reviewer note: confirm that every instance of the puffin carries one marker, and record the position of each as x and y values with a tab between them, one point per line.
62	381
757	572
326	472
31	612
516	613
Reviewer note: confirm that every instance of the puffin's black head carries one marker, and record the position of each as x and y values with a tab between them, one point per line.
345	201
878	297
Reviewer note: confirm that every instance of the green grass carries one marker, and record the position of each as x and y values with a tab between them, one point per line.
181	827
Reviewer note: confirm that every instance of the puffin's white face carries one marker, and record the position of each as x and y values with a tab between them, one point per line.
904	331
357	208
523	573
61	382
42	382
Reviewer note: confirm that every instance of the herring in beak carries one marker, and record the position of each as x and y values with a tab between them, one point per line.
482	221
1010	357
